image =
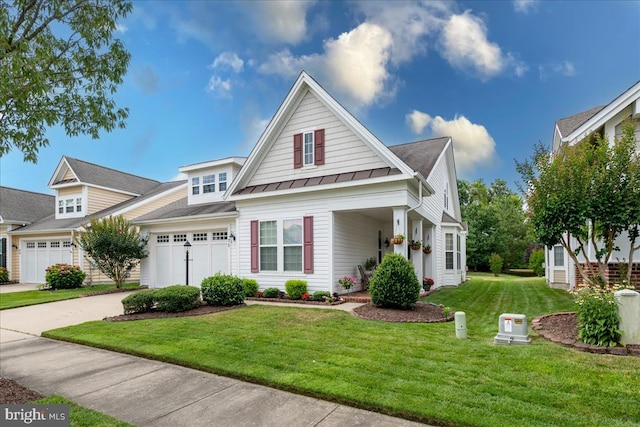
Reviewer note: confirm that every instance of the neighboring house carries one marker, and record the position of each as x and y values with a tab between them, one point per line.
607	121
19	208
318	195
82	191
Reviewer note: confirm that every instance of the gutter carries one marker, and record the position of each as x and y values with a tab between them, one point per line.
422	181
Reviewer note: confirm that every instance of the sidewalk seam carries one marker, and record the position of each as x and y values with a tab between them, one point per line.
327	416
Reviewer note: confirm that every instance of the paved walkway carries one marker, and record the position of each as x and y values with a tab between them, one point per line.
145	392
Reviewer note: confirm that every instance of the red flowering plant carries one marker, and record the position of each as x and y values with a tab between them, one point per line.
427	283
64	276
305	297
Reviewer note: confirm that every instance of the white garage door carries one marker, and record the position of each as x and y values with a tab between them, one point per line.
36	256
209	254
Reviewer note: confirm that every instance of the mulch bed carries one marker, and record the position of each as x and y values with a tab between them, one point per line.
295	301
203	309
562	328
12	393
422	313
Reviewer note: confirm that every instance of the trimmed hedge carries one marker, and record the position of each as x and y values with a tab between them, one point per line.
320	295
271	293
250	287
223	290
395	284
4	274
177	298
295	288
140	302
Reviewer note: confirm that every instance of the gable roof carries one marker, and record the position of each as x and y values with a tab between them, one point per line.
421	156
305	83
24	207
50	223
571	123
100	176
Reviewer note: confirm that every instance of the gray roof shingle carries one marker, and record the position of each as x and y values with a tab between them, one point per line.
89	173
20	206
421	156
180	209
571	123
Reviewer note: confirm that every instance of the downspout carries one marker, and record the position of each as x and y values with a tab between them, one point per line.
415	175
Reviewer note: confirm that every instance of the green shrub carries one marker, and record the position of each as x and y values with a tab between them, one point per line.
271	293
295	288
177	298
223	290
250	287
598	319
320	295
4	274
64	276
495	263
140	302
395	284
536	262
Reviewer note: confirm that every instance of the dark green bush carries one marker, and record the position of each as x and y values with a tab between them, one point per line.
536	262
250	287
395	284
4	274
295	288
222	290
271	293
177	298
495	263
320	295
64	276
598	319
140	302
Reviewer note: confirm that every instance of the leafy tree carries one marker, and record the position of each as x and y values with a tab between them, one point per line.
536	262
495	263
59	65
585	195
114	244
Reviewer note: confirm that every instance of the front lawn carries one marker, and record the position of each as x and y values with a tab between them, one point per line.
416	371
25	298
79	416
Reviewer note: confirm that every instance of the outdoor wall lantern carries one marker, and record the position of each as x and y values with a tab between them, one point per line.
232	236
386	242
187	246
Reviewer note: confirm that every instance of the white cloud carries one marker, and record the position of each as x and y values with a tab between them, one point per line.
281	21
524	6
228	60
219	87
472	144
564	68
121	28
466	47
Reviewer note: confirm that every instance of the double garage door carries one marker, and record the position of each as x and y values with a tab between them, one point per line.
208	255
36	256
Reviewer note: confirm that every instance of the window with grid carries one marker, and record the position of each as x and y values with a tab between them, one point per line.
164	238
448	251
199	237
268	246
66	244
208	184
308	148
79	204
195	185
42	245
222	181
292	244
458	253
179	238
31	245
55	244
558	256
61	206
69	205
219	235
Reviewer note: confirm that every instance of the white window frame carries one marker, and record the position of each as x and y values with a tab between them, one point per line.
195	185
262	245
222	181
299	244
70	206
209	183
448	251
458	252
558	250
308	151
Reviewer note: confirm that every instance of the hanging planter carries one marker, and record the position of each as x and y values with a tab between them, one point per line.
397	239
415	245
427	249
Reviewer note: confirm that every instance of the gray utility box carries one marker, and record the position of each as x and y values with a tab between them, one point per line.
512	329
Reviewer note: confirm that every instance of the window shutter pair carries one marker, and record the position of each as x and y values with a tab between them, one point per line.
307	248
298	149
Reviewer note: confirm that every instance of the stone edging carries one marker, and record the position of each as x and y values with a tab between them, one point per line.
578	345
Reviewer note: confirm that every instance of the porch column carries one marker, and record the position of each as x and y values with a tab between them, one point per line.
417	256
400	227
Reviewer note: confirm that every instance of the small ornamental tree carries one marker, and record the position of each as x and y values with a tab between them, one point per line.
114	244
495	264
536	262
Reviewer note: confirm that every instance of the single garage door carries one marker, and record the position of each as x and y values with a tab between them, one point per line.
208	255
36	256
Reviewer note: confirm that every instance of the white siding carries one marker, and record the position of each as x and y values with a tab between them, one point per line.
343	150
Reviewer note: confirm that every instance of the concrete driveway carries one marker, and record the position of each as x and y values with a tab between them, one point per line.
25	322
18	287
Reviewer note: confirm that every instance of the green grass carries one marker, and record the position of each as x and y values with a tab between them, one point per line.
79	416
416	371
25	298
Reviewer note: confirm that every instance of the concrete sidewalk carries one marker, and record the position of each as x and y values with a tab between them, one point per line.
149	393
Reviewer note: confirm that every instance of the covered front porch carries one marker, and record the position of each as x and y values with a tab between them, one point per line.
358	235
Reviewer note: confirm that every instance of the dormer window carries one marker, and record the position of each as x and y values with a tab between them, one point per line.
208	184
222	181
70	206
195	185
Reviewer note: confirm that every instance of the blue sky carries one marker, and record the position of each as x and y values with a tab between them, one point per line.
206	76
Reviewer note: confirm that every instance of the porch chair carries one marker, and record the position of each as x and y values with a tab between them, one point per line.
364	278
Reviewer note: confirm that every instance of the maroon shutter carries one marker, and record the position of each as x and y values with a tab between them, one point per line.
255	267
308	244
297	150
318	140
